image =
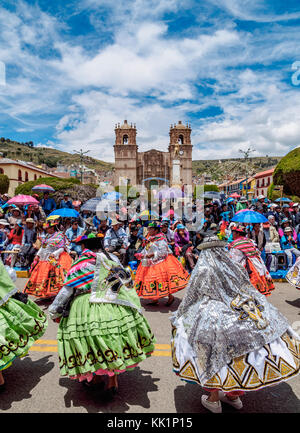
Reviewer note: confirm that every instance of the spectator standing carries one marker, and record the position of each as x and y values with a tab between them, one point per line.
72	234
66	202
28	251
47	203
116	240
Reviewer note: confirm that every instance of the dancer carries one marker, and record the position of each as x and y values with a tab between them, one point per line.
50	265
159	274
22	322
102	331
293	275
243	251
226	337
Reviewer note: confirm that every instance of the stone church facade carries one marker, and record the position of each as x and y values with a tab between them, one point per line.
152	166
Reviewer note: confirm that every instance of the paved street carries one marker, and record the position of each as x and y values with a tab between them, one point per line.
34	384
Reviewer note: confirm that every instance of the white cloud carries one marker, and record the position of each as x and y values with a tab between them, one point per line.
152	77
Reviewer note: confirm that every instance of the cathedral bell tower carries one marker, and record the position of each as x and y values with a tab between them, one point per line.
126	151
180	147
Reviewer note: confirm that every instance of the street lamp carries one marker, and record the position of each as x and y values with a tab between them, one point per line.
81	153
246	154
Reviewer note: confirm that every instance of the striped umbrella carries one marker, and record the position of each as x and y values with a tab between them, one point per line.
43	187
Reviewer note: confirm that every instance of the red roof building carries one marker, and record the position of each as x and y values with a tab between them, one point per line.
263	181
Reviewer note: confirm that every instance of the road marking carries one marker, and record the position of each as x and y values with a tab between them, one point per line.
51	346
43	349
50	342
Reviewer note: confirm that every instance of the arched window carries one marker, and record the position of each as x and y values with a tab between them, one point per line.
1	171
125	139
26	176
35	177
180	139
19	175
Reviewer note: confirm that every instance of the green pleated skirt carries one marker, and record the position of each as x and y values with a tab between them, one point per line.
20	326
102	339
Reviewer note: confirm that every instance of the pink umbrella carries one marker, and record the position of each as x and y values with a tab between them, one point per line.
242	210
235	195
22	199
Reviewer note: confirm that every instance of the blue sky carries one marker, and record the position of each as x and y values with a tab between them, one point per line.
75	70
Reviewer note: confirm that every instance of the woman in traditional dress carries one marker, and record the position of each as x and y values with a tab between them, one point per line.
226	337
293	275
50	265
22	322
244	251
102	331
159	274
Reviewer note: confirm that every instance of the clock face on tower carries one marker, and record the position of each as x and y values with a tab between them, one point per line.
181	152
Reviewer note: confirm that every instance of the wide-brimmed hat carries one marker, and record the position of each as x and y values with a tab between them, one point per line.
243	200
90	241
50	224
89	221
260	197
29	220
287	229
114	222
180	227
239	228
154	224
4	222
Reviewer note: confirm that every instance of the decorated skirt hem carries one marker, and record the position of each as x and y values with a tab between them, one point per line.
162	295
236	388
105	372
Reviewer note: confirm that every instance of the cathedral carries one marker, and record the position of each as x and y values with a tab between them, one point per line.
153	167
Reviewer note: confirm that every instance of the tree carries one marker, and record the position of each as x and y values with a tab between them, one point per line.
287	173
211	188
4	183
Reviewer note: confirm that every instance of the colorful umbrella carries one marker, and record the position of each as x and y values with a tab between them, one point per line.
250	217
168	193
22	199
148	215
43	187
91	204
283	199
65	213
112	195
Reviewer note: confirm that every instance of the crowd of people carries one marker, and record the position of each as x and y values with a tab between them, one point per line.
95	269
23	229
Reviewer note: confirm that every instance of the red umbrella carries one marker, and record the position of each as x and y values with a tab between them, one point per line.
22	199
235	195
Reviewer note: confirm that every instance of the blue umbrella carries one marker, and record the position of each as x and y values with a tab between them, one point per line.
112	195
249	216
65	213
283	199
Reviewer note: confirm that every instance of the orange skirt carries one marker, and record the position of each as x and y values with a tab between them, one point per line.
261	283
46	279
160	280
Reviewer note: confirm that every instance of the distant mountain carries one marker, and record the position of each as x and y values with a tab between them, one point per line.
44	155
218	170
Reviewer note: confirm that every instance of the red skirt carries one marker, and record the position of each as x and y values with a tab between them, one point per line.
47	279
160	280
260	282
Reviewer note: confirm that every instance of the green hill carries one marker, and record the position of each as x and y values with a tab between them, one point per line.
235	167
44	155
